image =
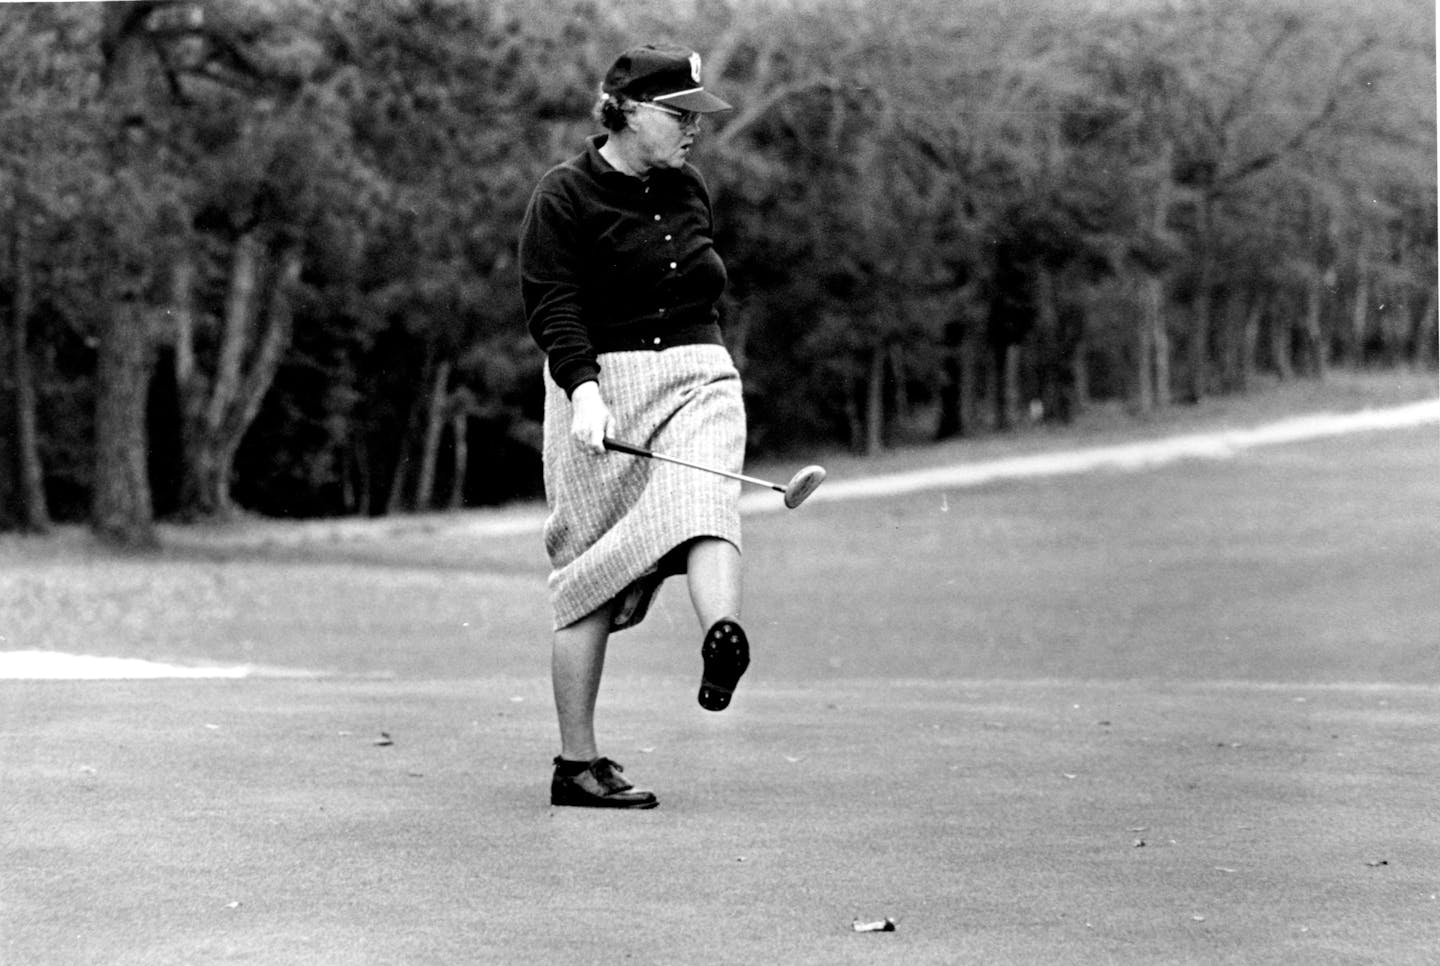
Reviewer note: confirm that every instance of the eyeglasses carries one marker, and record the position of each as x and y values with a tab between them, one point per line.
683	118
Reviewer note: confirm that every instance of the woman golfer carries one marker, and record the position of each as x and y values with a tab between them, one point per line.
620	280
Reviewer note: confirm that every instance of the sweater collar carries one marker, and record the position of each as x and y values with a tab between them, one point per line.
600	168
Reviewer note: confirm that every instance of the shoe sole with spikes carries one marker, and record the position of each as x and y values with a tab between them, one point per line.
726	655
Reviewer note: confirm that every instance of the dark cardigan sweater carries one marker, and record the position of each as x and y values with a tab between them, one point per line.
610	262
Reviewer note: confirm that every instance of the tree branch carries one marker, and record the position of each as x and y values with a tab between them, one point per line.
753	113
1301	134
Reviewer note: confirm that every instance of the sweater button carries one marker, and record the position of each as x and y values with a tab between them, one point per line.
657	340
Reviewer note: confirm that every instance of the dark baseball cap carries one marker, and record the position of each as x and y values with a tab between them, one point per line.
663	74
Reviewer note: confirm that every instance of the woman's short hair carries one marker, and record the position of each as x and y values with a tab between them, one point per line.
610	111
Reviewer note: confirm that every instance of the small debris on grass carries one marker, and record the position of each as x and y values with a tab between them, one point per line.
232	905
1221	868
517	699
882	925
1198	918
792	759
646	751
1139	843
1376	863
1070	776
384	741
212	727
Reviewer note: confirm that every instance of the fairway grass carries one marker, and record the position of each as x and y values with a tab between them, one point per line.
1184	715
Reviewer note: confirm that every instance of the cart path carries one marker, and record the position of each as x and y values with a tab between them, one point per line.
1221	444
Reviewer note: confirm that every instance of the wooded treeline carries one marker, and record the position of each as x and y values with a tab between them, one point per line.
260	253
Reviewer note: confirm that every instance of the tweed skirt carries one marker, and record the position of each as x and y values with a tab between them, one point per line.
618	524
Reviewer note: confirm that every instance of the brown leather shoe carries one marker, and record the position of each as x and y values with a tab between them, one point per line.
598	786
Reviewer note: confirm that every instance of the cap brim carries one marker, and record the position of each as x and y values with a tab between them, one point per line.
699	101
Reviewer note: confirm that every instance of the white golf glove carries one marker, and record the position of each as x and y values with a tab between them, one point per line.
590	420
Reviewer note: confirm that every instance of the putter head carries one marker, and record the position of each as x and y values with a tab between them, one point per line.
802	484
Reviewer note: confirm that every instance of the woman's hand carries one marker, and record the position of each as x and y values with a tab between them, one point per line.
590	419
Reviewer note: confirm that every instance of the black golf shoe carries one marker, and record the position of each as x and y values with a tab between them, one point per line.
596	785
726	653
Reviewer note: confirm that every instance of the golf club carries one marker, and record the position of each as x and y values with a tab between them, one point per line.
801	485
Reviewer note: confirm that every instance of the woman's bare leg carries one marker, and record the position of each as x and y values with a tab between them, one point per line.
576	662
713	572
714	569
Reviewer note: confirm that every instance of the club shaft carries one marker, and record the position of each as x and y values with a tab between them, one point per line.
623	447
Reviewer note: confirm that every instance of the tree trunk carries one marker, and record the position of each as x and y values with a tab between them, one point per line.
1049	391
12	511
460	432
1280	340
132	82
275	339
190	385
853	418
1153	350
1230	339
948	423
217	412
1315	348
1160	343
1075	330
1144	350
971	389
956	390
359	488
240	320
1007	385
875	401
1250	341
1154	390
122	511
1197	342
900	405
395	502
30	472
434	426
205	402
1360	306
1080	378
1425	343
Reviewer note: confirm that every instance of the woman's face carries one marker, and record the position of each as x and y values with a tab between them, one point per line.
662	136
